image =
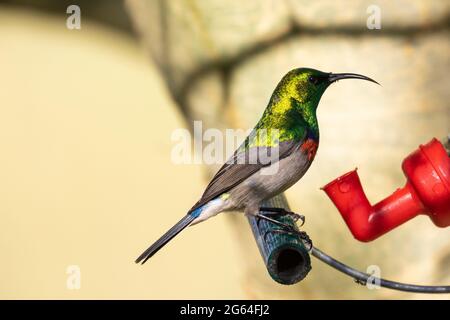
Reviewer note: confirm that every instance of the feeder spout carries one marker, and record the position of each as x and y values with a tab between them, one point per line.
427	191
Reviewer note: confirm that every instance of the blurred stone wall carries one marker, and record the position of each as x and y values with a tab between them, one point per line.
108	12
222	59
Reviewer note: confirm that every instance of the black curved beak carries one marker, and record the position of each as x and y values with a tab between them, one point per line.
333	77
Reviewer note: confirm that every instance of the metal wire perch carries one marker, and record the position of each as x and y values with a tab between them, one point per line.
287	254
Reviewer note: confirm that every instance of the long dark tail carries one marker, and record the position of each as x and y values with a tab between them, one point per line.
169	235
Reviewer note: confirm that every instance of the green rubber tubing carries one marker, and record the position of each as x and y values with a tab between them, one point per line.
285	255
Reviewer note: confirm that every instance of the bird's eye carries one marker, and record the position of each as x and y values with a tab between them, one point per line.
313	80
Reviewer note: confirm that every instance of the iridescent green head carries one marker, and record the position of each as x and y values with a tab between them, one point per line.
292	107
307	85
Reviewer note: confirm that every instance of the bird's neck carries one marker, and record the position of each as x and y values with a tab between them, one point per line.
312	126
291	119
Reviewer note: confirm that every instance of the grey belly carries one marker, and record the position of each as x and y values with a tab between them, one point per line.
270	181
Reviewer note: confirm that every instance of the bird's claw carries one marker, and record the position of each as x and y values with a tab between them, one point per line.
283	212
296	217
284	227
306	240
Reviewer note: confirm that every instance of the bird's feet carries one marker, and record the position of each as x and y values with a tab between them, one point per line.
266	214
274	212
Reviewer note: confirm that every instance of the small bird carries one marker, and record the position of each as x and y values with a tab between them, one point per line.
274	156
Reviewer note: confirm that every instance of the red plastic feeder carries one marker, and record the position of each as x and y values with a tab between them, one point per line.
427	191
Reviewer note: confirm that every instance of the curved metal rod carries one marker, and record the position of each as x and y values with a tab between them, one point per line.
363	277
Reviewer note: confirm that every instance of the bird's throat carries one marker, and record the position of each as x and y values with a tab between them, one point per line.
294	122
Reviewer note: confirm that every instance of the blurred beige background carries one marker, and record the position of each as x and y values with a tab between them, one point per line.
86	118
86	177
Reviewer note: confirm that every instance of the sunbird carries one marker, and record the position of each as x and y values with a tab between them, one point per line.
286	136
